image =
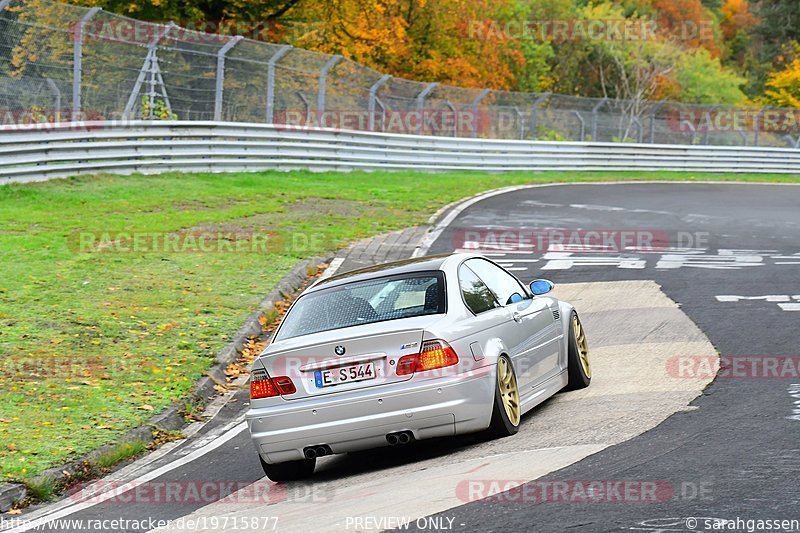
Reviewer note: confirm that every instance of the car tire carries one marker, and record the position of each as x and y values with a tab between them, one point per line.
290	470
507	411
579	368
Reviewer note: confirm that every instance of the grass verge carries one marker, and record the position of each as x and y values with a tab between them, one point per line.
98	332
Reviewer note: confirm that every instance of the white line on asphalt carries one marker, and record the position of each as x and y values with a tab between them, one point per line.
238	426
437	230
332	268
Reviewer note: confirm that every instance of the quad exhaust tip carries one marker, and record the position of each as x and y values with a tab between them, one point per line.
312	452
401	437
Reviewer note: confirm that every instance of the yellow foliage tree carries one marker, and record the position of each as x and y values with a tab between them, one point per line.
783	87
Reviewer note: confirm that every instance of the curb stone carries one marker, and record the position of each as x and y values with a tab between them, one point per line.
171	418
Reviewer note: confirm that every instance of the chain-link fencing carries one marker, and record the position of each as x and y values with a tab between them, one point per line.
60	62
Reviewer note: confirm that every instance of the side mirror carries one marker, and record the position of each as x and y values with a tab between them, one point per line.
541	286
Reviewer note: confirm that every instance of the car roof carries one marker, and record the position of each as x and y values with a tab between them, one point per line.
416	264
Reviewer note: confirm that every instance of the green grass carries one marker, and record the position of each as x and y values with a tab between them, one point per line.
120	452
92	344
41	489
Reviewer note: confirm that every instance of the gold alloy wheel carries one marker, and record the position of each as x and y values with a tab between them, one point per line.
583	346
507	382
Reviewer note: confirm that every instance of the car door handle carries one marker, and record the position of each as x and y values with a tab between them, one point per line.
516	316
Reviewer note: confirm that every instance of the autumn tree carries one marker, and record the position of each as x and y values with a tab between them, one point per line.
452	42
688	22
783	87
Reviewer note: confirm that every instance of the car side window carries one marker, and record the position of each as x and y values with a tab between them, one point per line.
476	294
501	283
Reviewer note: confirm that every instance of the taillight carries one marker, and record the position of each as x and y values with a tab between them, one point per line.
434	354
261	386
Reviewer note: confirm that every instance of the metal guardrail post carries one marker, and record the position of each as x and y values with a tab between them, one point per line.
373	95
323	83
583	124
757	125
595	110
57	93
77	62
270	111
653	112
475	102
535	114
220	81
421	103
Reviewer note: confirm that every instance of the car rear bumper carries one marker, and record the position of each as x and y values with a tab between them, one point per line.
361	420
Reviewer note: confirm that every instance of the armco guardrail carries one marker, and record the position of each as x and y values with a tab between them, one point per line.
40	152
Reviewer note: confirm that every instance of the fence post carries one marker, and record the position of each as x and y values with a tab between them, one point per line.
653	112
421	103
521	123
595	110
583	124
373	94
475	110
383	113
57	93
77	62
743	135
323	83
639	129
218	89
270	113
689	126
707	130
452	109
303	99
757	125
535	114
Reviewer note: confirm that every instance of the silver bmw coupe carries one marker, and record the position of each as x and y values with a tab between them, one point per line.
405	351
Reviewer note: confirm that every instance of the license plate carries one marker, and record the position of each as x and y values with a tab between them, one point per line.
344	374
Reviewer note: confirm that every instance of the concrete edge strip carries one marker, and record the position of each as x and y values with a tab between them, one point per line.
171	419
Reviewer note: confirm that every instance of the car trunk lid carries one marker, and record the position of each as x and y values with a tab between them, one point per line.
358	358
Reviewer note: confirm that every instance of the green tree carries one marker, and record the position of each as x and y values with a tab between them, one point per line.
703	80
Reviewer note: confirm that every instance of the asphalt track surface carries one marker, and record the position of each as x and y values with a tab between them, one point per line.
735	454
739	447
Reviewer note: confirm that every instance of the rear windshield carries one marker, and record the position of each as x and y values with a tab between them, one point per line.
365	302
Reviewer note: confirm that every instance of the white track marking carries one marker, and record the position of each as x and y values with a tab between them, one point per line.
238	426
332	268
458	208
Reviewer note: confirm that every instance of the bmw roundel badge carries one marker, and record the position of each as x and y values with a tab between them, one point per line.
339	350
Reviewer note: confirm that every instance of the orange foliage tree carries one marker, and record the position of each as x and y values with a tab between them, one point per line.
423	39
689	23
